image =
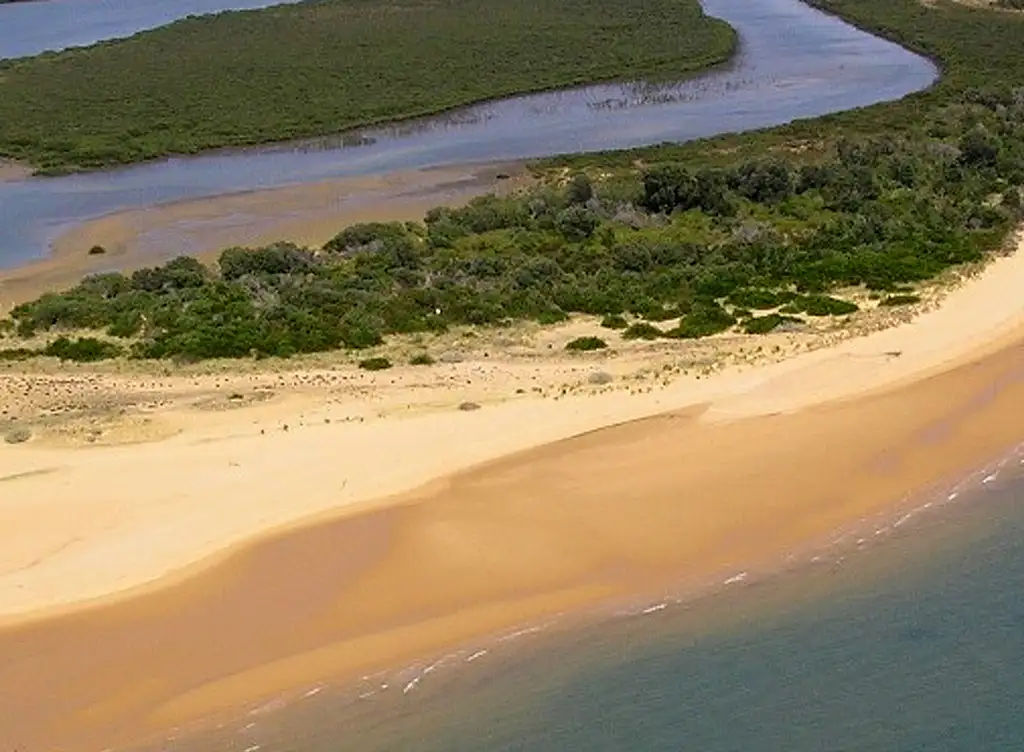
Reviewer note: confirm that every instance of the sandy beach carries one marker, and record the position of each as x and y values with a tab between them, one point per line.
177	542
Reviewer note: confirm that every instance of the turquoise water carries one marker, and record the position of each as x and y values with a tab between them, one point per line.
914	643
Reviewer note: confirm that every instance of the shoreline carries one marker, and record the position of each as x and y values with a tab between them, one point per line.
521	641
435	566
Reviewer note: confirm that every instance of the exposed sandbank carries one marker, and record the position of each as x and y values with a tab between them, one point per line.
308	214
11	171
730	470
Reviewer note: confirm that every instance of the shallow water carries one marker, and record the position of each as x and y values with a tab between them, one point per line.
29	28
794	62
914	643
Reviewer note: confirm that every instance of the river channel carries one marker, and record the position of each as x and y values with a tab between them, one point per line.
793	62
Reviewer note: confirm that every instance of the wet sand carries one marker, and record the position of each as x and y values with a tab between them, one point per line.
726	473
308	214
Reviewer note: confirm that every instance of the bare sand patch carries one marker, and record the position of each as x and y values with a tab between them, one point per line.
11	171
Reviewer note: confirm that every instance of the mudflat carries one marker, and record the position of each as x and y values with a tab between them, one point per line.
307	214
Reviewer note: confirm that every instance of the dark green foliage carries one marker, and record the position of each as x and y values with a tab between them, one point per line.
318	68
760	300
580	189
17	353
900	300
614	321
97	250
768	323
586	343
83	349
820	305
421	359
375	364
642	330
703	321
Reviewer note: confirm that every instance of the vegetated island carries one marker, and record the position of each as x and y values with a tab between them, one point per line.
319	68
744	233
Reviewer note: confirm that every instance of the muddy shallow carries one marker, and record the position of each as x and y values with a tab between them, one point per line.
794	62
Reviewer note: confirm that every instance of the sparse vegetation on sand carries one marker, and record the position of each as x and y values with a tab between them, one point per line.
675	241
318	68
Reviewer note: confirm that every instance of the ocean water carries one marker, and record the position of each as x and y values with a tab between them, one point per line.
914	641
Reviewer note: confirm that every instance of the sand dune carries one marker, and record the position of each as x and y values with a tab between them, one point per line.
437	524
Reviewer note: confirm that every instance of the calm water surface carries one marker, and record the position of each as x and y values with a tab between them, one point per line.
49	25
794	62
915	643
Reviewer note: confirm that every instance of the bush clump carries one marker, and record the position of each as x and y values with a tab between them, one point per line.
768	323
375	364
642	330
17	353
421	359
83	349
614	321
900	300
586	343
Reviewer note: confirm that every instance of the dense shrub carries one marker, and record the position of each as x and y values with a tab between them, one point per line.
375	364
421	359
83	349
642	330
768	323
614	321
586	343
900	300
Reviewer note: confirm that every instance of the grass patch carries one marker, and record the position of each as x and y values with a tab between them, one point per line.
316	68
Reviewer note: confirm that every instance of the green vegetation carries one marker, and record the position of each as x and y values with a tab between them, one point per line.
375	364
779	222
769	323
83	349
319	68
900	300
614	321
421	359
586	343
